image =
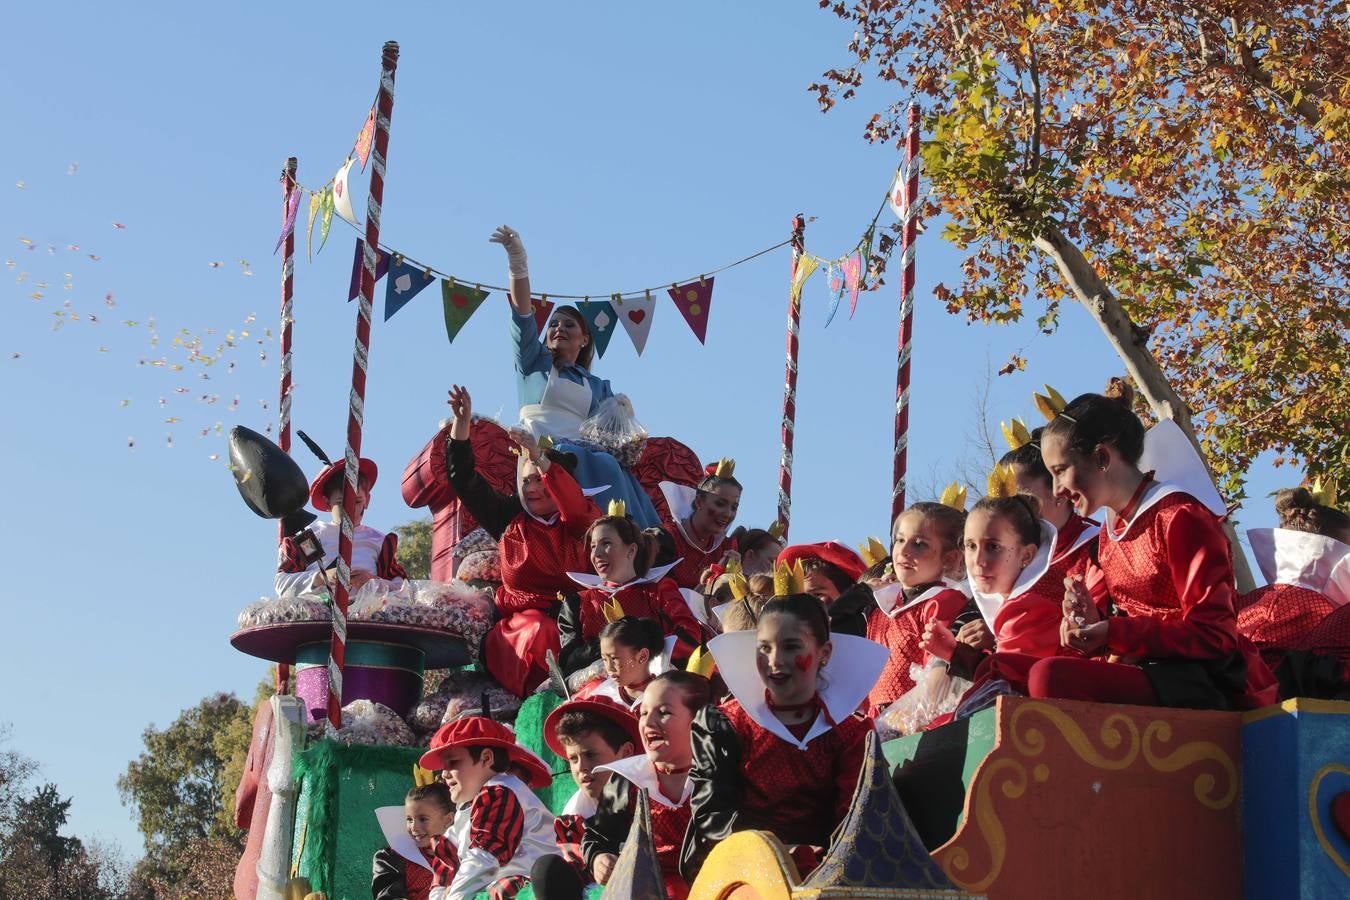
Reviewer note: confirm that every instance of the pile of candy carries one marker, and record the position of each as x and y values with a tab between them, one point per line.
290	608
367	722
461	691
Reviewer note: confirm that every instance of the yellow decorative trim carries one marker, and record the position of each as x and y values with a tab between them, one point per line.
987	820
1327	846
753	859
1117	728
1187	755
1298	705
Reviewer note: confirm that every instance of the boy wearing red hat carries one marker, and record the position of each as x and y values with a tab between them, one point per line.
830	574
373	552
500	827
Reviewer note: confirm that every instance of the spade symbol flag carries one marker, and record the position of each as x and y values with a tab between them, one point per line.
852	271
602	318
405	282
694	300
381	266
636	317
460	302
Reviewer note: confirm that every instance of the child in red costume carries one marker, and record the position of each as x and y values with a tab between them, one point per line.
625	584
830	574
634	652
540	533
696	536
1165	569
669	705
784	752
403	870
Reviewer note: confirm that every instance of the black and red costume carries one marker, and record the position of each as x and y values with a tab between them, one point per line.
652	596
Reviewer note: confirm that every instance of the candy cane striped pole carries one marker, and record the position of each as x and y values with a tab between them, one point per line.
384	109
909	174
790	388
287	317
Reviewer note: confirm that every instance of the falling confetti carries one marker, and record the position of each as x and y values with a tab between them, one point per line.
171	420
126	402
108	300
214	456
95	257
119	226
131	443
26	242
72	168
73	248
168	440
215	265
15	355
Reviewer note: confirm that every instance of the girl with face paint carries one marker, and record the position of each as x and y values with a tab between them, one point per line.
784	752
696	537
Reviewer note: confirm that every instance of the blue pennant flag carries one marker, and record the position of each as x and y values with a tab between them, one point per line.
405	281
603	320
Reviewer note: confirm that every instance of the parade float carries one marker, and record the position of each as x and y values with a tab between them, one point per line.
1029	798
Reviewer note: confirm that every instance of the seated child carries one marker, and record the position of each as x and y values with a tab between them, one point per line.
625	585
373	552
784	753
501	827
668	707
633	651
832	572
403	870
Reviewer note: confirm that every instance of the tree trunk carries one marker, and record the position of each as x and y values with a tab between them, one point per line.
1132	348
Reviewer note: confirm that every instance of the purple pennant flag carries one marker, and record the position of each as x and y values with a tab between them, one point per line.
852	281
381	267
287	227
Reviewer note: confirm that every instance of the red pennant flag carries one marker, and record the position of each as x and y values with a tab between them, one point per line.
542	308
694	301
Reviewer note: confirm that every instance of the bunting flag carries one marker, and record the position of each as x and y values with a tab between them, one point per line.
364	139
898	198
806	265
542	308
602	318
381	267
852	280
694	300
314	203
404	283
834	277
460	302
288	226
325	216
342	201
636	317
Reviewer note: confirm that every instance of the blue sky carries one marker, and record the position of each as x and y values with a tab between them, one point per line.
630	144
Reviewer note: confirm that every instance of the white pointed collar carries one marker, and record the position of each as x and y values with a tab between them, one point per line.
579	804
1312	561
720	610
680	499
888	598
591	580
585	492
393	823
694	600
990	604
641	772
1089	533
852	672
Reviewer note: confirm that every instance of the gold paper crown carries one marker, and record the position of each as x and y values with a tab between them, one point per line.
1017	435
1051	403
701	662
612	609
617	508
1325	493
732	566
1002	482
545	443
776	530
788	581
740	588
954	495
422	777
873	551
726	468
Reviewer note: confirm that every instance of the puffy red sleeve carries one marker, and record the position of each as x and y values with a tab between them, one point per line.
848	764
1196	555
425	482
576	511
444	860
688	631
497	823
387	565
290	560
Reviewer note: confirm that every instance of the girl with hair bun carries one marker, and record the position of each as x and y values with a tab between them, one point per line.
696	536
1158	625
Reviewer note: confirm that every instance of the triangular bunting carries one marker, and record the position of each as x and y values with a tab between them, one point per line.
342	200
542	308
694	301
852	278
365	139
603	318
325	216
806	264
288	226
314	203
460	301
404	283
635	314
381	267
898	197
834	278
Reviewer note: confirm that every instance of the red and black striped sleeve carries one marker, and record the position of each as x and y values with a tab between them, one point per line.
387	566
291	559
497	823
444	860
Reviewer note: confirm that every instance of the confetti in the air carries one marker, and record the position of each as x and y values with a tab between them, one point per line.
95	257
119	226
73	168
20	185
215	265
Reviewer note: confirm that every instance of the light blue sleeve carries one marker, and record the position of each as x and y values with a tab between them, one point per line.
531	356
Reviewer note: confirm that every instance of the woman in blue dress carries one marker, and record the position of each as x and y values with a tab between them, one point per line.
558	393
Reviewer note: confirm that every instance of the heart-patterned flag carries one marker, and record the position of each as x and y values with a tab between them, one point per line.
852	275
342	200
288	226
405	282
635	315
460	301
603	319
365	139
694	300
542	308
834	278
381	267
806	264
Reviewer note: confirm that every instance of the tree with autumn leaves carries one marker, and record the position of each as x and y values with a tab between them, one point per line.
1181	170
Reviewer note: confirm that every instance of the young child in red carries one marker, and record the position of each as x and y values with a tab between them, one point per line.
634	652
783	753
403	870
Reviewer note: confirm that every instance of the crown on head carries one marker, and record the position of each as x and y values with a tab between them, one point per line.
725	468
788	581
740	588
776	530
617	508
954	495
873	552
422	777
1002	481
701	662
1051	403
1017	434
1324	492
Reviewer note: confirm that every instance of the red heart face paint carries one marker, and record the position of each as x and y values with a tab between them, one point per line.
804	662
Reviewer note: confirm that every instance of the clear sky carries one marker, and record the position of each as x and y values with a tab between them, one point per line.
631	144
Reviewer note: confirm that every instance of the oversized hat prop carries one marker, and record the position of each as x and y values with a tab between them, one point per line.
594	705
271	483
831	552
468	731
319	489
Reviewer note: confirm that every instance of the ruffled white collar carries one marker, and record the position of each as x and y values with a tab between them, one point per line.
591	580
642	773
393	823
1311	561
888	596
990	604
680	499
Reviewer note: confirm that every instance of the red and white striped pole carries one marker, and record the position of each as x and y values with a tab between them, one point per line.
790	388
909	174
384	109
287	317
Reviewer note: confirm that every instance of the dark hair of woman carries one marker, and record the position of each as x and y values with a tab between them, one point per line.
1299	511
1021	511
804	607
629	534
636	634
1094	420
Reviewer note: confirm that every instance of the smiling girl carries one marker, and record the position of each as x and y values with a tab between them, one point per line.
784	752
696	537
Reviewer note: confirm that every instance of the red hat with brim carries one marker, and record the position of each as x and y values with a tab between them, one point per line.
831	552
318	490
595	706
469	731
538	772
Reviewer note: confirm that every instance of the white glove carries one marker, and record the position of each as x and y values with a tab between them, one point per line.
515	250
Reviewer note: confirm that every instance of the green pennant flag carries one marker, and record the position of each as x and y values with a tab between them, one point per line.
325	216
460	301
